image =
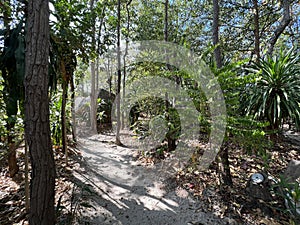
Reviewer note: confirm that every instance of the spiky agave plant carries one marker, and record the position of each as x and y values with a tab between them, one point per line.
275	94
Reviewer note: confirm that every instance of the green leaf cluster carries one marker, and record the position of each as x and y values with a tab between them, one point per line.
275	93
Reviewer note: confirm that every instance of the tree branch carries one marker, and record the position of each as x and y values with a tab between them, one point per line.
286	19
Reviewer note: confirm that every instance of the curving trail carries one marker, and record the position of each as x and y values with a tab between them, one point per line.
121	191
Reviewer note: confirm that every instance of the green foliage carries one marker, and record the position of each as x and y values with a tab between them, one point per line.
104	107
156	118
248	134
73	25
275	94
55	117
242	130
12	66
173	124
290	192
3	116
55	125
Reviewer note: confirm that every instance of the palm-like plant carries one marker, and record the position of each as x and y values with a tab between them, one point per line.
275	94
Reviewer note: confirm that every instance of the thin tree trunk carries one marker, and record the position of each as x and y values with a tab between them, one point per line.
13	167
27	192
224	154
109	76
166	34
286	19
119	78
125	55
37	125
97	91
256	29
170	139
63	120
97	76
225	169
215	28
124	79
63	109
93	97
74	134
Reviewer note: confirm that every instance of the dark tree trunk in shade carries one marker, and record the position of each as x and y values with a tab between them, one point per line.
215	28
118	141
37	127
256	29
166	34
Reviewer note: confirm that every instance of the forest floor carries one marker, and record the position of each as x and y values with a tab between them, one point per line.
108	184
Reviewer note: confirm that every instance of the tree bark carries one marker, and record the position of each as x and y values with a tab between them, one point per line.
256	29
224	154
13	167
118	141
286	19
93	97
225	169
27	192
166	34
124	57
170	139
37	126
63	119
215	28
74	131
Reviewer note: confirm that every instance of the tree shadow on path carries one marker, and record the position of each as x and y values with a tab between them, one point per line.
116	190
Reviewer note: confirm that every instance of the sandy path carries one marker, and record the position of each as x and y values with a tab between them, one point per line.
123	192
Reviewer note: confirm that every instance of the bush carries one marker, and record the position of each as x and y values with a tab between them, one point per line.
275	93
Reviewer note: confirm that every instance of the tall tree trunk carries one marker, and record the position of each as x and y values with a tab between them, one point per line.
166	34
13	167
74	134
124	81
170	139
256	29
215	29
93	97
37	126
63	120
118	141
224	154
286	19
97	75
125	55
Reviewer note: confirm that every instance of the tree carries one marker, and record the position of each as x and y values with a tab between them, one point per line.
224	154
118	141
215	28
256	29
93	96
37	126
166	34
286	19
127	32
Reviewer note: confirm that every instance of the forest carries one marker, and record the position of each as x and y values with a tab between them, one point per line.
129	112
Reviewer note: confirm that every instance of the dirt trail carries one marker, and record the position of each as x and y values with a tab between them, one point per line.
121	191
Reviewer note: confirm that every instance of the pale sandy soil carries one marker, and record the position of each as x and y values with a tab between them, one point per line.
122	191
